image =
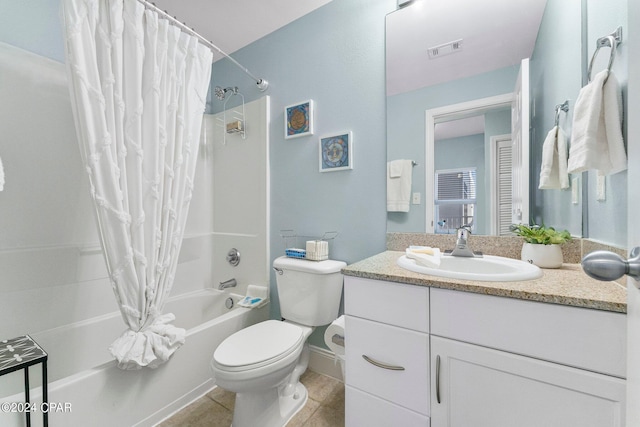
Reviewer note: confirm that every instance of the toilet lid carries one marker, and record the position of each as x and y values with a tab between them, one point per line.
258	344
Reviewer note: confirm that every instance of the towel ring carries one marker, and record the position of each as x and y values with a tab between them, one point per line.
611	41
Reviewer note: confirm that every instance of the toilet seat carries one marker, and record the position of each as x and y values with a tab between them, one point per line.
258	345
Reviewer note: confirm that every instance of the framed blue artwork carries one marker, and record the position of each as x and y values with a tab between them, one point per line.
336	152
298	119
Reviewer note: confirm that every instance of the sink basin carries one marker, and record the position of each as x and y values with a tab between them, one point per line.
486	269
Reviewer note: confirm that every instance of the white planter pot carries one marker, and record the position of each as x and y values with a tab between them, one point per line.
544	256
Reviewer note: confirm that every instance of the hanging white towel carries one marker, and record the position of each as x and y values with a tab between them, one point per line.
553	171
596	140
1	176
399	186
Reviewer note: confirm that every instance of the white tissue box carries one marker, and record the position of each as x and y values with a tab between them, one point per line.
317	250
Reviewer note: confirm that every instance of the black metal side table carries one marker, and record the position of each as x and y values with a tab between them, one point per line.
20	353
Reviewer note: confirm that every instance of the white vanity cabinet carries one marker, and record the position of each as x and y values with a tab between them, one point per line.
387	375
502	362
487	360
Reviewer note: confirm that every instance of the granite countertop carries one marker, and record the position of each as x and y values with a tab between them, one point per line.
568	285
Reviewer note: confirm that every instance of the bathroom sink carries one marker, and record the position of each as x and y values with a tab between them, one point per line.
485	269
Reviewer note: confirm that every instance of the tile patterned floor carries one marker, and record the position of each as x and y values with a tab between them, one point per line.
324	408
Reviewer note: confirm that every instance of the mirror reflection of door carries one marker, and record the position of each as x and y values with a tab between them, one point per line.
520	118
468	189
501	182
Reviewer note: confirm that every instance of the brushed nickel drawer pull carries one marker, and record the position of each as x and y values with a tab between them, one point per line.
438	378
382	365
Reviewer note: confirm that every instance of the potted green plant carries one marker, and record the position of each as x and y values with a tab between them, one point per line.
542	244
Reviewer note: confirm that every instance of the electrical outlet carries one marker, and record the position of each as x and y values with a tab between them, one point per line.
415	199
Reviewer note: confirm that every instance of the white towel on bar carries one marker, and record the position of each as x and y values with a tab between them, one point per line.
596	139
399	186
553	171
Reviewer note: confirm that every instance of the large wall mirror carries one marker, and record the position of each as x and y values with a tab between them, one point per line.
448	54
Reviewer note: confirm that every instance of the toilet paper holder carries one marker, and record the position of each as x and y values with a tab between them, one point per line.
338	340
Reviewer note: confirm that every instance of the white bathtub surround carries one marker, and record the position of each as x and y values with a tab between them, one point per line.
53	279
102	395
139	138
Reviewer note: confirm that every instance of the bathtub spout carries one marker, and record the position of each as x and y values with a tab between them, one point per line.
231	283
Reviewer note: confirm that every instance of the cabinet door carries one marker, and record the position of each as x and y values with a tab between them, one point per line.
482	387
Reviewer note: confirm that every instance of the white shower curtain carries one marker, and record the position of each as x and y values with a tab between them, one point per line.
138	90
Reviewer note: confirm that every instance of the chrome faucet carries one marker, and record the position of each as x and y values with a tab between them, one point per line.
462	239
231	283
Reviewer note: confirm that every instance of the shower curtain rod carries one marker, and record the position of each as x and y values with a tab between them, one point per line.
261	83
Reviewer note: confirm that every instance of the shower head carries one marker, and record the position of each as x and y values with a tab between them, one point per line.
222	93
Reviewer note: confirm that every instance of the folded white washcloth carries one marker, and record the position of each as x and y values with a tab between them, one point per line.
553	171
399	185
596	139
424	255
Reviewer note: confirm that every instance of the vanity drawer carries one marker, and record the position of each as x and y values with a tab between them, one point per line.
584	338
397	304
391	346
364	409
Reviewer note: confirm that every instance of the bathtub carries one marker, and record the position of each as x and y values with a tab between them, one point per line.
89	389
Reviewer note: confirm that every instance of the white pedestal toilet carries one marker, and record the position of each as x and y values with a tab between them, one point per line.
262	364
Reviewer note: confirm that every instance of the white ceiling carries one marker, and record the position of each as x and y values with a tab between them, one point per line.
495	34
233	24
457	128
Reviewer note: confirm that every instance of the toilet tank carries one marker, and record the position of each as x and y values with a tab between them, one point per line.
309	291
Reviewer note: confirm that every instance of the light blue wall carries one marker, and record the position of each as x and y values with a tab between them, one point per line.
335	56
607	220
556	76
558	68
32	25
406	128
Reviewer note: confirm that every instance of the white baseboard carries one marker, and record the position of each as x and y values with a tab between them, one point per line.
323	362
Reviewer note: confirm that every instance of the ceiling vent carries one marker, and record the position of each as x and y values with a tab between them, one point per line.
445	49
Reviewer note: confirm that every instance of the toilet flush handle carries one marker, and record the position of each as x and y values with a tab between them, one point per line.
278	270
